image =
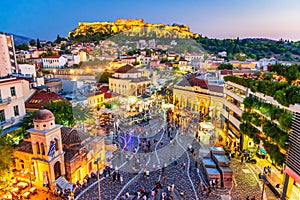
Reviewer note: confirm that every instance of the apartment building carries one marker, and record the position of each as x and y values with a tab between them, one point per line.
254	119
12	108
8	63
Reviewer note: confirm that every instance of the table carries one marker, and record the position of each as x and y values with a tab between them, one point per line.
22	185
7	196
26	195
15	190
32	190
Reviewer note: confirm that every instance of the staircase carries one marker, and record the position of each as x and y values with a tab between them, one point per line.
62	183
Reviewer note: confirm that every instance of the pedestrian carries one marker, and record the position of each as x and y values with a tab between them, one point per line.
253	198
118	177
114	176
247	198
201	186
165	179
121	180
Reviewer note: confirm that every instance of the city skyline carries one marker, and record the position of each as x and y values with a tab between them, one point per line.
215	19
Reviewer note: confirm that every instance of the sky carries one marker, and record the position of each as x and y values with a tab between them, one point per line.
45	19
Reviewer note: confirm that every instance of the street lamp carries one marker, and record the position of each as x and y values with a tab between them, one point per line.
98	179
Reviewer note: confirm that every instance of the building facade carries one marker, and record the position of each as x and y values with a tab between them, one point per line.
54	62
52	153
8	62
12	108
128	81
199	97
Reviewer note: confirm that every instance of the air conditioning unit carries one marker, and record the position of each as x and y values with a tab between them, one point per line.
12	119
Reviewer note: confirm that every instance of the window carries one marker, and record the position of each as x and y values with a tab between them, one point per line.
2	116
16	110
13	91
42	149
38	148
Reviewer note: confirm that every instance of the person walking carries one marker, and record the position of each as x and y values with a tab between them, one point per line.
165	179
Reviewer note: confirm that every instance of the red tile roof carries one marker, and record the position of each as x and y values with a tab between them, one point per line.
41	98
127	69
226	72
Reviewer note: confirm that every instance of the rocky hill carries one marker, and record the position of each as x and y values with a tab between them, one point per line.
87	31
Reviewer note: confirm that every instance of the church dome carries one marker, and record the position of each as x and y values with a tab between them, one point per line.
43	115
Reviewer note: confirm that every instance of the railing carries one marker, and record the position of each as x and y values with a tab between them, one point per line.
5	101
234	95
7	122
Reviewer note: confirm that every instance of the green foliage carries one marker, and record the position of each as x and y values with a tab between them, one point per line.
225	66
104	77
275	155
22	47
282	92
285	121
62	111
248	129
176	69
38	44
290	72
82	113
135	63
252	48
32	42
6	147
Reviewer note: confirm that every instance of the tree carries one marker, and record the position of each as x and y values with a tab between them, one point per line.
225	66
22	47
32	42
62	111
103	78
38	44
81	113
6	147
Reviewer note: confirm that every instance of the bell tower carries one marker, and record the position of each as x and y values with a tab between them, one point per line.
48	154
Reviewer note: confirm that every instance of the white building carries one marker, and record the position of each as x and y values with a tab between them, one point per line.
266	61
27	70
12	107
8	63
128	81
193	56
54	61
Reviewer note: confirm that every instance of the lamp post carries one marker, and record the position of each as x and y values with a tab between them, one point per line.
98	178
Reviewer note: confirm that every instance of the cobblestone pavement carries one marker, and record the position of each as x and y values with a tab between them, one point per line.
133	166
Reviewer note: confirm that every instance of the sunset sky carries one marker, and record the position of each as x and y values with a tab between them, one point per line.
45	19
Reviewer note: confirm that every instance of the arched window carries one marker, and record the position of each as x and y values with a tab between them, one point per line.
56	144
42	149
22	164
38	148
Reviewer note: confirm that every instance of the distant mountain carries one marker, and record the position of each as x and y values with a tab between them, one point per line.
18	39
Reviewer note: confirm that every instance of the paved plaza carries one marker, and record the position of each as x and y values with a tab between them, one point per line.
161	159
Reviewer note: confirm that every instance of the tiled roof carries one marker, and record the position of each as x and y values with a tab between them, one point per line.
72	136
25	146
41	98
70	154
127	69
193	81
225	72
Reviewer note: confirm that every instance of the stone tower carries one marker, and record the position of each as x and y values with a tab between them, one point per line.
48	154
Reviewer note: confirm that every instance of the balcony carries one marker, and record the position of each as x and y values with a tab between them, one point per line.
233	107
232	119
7	122
5	101
233	95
